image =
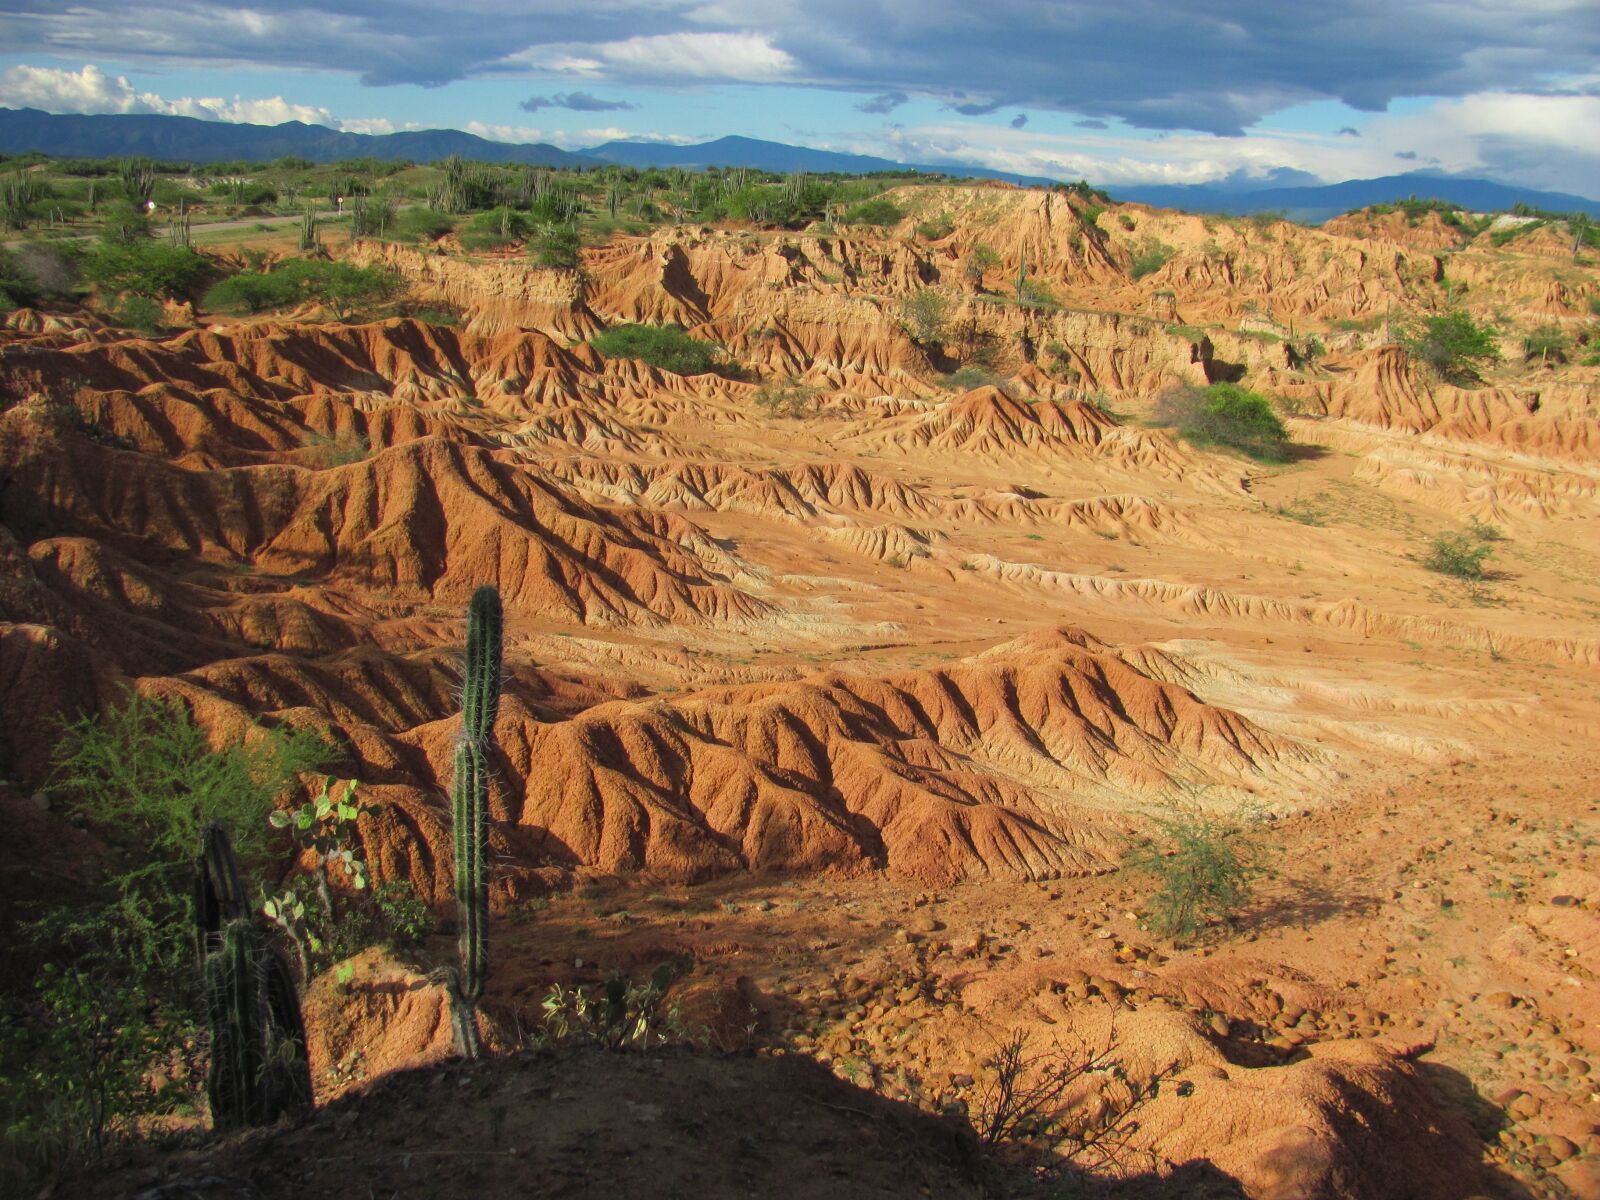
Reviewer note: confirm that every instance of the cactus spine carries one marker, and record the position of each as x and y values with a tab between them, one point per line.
470	805
259	1068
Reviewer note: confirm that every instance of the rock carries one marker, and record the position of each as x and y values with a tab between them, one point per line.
1500	1000
1524	1107
1560	1148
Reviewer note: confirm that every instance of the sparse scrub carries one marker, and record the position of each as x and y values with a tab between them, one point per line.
337	450
790	398
1225	414
668	347
936	228
1065	1109
557	246
1204	868
623	1016
1545	343
967	378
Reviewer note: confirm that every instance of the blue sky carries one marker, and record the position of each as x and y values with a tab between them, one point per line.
1142	91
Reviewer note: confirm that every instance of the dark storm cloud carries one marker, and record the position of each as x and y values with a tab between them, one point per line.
576	102
883	102
1018	121
1212	65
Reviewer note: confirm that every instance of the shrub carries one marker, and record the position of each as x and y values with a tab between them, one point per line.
1547	342
924	313
151	269
339	450
1148	257
252	292
494	230
557	246
936	228
422	225
967	378
17	287
791	398
341	287
665	346
1451	344
982	259
118	1000
1204	868
878	211
140	314
1225	414
1459	555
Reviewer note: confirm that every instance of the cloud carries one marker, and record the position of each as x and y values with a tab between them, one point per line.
1217	66
91	90
1018	121
576	102
883	102
1092	123
665	58
1349	131
1406	154
975	108
1537	140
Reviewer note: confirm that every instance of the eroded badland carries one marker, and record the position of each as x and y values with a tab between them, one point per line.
862	704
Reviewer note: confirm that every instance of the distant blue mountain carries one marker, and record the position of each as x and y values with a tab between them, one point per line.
185	139
1312	204
776	156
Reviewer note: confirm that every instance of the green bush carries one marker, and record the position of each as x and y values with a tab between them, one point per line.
252	292
936	228
557	246
1451	344
17	286
118	1001
1204	868
421	225
341	287
1148	256
1460	555
878	211
665	346
1547	342
924	313
1225	414
145	268
140	314
494	230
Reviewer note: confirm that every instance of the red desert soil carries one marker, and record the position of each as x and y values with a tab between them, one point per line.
863	708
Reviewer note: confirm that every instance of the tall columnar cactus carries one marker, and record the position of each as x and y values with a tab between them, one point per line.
470	803
259	1068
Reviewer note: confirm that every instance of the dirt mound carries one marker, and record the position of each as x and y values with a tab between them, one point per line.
1029	761
429	518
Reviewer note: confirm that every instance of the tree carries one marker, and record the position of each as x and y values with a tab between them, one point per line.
1452	345
924	313
1204	868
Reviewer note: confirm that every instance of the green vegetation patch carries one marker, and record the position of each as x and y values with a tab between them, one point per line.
668	347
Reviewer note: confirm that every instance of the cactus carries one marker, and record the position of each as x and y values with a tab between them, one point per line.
233	1002
259	1069
470	805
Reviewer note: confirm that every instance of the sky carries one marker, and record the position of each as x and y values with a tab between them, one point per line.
1127	92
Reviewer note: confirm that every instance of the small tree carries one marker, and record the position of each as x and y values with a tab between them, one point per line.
1204	868
1452	345
924	313
1547	342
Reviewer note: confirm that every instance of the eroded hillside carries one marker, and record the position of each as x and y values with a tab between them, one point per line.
923	659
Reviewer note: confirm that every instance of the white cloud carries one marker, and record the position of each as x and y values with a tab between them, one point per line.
742	57
91	90
1544	141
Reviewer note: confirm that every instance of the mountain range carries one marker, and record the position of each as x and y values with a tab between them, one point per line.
187	139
